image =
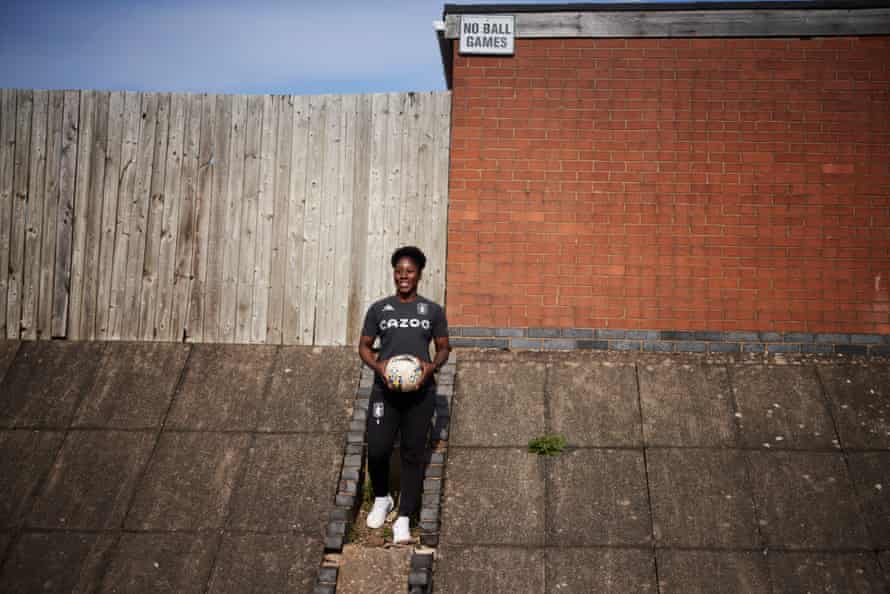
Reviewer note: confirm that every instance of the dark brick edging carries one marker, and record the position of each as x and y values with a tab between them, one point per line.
420	577
668	341
347	500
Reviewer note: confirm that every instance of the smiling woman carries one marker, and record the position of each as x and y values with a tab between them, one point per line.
406	323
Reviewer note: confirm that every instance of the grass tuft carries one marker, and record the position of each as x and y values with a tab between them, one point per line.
547	445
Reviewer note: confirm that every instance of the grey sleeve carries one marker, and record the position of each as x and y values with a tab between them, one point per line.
370	326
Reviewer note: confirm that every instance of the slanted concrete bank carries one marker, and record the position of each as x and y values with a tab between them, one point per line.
177	468
152	467
683	474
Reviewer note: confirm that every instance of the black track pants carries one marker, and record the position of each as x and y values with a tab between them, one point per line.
409	414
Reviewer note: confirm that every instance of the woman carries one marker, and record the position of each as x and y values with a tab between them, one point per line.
405	323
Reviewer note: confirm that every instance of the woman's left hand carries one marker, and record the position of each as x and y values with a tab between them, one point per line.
428	370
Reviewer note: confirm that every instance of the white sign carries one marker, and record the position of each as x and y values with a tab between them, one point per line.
486	34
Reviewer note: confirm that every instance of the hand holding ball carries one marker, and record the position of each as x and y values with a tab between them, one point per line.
404	373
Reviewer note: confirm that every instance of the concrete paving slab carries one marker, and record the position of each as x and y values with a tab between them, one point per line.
25	459
860	403
46	381
782	406
8	349
686	404
311	389
92	481
870	472
501	400
373	570
223	388
598	497
493	496
289	483
701	498
601	571
134	385
594	403
160	564
265	563
189	482
837	573
483	570
64	562
707	572
806	500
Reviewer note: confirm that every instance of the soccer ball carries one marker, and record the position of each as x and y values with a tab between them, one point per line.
404	373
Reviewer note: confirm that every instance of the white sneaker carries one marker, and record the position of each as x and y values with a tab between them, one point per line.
381	508
401	530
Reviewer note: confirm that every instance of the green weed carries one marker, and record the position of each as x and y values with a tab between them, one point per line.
547	445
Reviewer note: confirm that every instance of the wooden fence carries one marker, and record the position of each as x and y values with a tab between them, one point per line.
214	218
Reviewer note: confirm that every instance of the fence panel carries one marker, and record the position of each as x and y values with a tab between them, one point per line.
214	218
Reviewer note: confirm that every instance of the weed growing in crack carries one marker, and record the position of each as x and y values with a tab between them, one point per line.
547	445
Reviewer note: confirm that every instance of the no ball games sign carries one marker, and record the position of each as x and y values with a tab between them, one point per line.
486	34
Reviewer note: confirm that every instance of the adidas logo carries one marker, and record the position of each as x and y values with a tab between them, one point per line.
388	307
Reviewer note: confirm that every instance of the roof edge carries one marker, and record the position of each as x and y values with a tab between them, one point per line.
807	18
663	6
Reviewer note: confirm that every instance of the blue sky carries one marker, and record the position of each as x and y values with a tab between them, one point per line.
228	46
236	46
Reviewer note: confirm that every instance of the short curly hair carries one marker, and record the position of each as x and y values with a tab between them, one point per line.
410	252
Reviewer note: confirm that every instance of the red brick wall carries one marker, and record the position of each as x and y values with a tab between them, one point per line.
720	184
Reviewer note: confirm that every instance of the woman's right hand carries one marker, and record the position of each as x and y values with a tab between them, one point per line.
371	360
380	368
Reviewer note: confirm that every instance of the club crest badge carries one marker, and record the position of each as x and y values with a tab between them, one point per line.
377	412
422	309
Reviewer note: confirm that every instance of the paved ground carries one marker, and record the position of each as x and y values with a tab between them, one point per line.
684	474
156	468
210	469
373	570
